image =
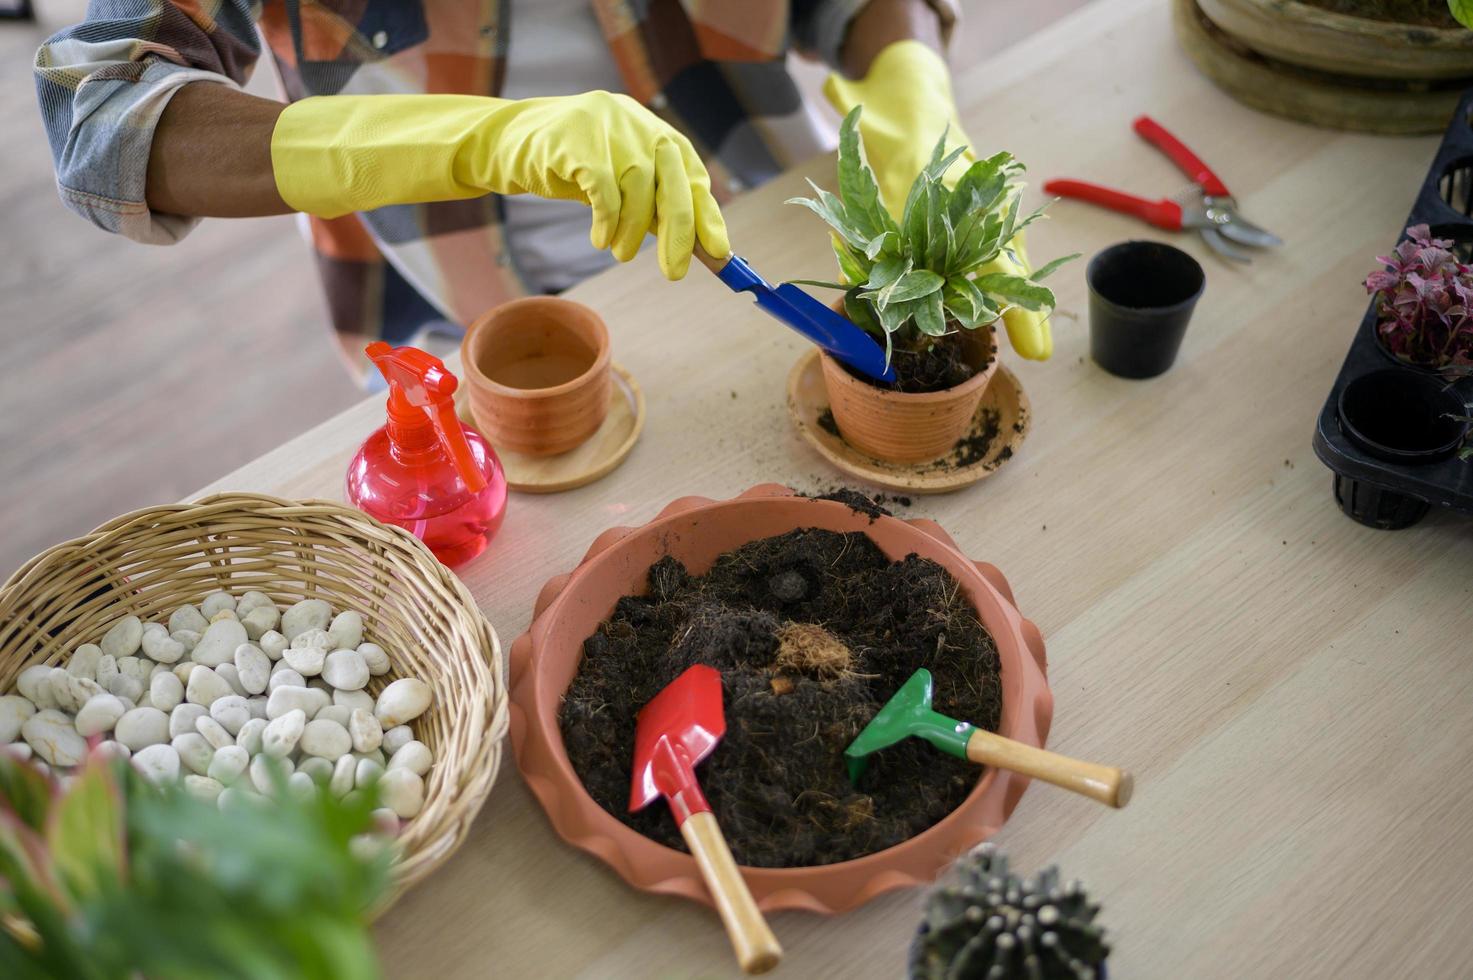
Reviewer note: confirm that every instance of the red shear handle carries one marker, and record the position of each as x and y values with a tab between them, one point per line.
1156	134
1164	213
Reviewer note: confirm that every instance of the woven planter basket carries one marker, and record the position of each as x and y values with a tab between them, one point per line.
150	561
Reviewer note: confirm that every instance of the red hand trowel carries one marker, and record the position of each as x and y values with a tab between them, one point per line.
677	729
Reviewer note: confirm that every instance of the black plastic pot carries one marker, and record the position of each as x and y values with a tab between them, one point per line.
1402	417
1141	297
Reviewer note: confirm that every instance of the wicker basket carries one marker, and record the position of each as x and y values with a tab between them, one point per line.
150	561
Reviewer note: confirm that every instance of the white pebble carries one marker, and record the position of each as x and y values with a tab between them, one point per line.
257	706
225	615
84	661
14	710
396	738
34	684
231	674
125	686
326	739
249	736
228	764
203	788
142	727
301	786
111	750
158	763
377	755
183	670
306	661
346	630
304	699
260	621
346	670
414	756
214	732
318	768
160	646
145	700
354	700
158	669
367	733
366	772
98	715
272	644
309	614
312	638
402	791
375	657
218	643
69	692
123	639
240	798
253	599
216	601
402	701
194	752
205	687
165	691
282	734
137	668
17	750
183	717
54	739
253	668
385	821
343	774
334	712
187	617
262	770
232	712
286	677
189	639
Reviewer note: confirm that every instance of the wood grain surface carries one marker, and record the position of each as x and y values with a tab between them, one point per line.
1293	692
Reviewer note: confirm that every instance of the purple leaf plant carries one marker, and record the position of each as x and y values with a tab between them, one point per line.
1424	301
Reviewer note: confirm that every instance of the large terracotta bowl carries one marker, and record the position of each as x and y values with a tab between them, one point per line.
696	530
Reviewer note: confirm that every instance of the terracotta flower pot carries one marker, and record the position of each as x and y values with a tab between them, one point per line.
538	371
696	530
906	427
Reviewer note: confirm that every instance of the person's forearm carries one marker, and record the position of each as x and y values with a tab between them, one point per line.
883	22
211	155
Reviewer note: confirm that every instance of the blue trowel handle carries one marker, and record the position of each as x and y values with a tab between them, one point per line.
732	270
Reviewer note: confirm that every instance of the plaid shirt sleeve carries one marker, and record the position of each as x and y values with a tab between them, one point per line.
104	83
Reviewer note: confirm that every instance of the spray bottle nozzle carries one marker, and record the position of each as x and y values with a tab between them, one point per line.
422	392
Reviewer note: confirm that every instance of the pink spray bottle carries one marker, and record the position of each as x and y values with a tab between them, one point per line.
423	470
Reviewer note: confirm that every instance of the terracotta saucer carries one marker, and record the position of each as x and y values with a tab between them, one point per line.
808	399
596	458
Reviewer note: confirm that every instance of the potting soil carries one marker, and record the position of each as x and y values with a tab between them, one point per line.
812	631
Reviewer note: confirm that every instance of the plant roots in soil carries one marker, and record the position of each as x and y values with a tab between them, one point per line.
812	631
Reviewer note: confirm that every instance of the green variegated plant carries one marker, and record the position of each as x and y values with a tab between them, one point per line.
926	275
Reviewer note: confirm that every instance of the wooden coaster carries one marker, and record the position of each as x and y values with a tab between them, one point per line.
1004	410
579	466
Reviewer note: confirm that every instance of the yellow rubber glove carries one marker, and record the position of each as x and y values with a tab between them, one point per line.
332	155
907	105
1028	331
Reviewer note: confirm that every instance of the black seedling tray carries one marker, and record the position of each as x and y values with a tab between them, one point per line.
1371	490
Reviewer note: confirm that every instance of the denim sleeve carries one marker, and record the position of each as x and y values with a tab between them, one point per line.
819	27
103	84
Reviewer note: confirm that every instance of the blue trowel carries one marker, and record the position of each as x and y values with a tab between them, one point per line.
829	330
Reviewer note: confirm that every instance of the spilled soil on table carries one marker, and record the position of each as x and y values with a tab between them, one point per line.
812	631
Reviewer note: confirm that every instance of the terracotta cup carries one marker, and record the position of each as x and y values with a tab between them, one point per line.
696	530
538	370
905	427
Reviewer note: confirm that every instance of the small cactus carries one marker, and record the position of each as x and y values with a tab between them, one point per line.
992	925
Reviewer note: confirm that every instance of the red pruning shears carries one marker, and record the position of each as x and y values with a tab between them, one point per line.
1207	207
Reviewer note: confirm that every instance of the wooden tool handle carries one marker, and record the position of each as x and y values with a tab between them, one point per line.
1107	784
757	949
710	261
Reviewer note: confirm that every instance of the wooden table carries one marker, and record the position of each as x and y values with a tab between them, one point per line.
1294	692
